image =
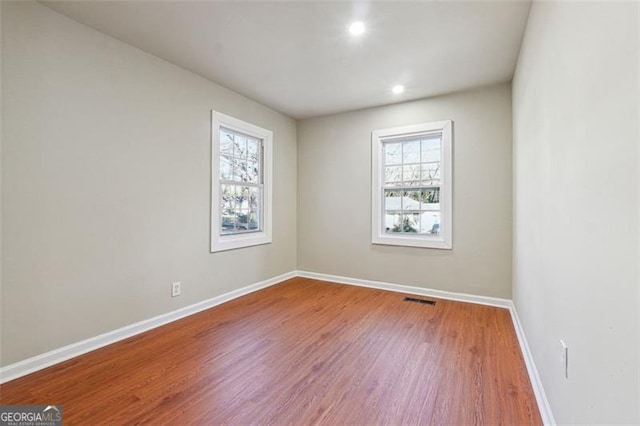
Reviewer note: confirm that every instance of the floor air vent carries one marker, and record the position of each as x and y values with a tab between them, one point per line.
413	299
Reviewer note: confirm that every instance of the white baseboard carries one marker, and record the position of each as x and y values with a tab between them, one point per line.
536	383
39	362
534	377
460	297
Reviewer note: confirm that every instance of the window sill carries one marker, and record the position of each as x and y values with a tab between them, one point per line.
237	241
414	241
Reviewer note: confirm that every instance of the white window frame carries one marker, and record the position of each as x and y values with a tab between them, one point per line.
378	236
222	242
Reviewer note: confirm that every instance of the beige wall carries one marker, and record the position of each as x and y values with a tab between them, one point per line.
334	196
1	183
575	101
105	185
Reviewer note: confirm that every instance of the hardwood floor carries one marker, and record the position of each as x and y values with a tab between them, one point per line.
303	351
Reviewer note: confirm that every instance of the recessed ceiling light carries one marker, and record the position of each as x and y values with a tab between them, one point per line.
356	28
397	89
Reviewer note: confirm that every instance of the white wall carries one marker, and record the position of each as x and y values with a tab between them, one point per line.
575	101
105	185
334	195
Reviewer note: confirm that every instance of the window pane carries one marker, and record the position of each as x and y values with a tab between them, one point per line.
430	150
431	174
228	223
242	220
411	152
225	168
242	197
226	142
253	149
393	174
430	199
240	146
411	200
254	220
239	167
430	223
392	221
411	174
254	198
253	175
393	153
227	198
392	200
408	223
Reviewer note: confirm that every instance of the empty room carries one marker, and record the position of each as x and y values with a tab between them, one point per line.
320	212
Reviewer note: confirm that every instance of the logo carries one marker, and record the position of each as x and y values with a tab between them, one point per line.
30	415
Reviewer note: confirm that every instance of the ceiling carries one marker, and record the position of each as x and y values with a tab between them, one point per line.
299	58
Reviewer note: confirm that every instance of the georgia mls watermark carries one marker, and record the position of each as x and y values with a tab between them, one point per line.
30	415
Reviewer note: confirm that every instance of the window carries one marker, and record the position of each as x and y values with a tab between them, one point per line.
240	183
411	185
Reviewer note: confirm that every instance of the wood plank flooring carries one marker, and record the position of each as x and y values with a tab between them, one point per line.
301	352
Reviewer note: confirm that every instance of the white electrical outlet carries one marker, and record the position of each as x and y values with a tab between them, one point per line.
564	359
175	289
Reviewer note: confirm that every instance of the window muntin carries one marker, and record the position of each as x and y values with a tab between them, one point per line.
241	184
411	185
